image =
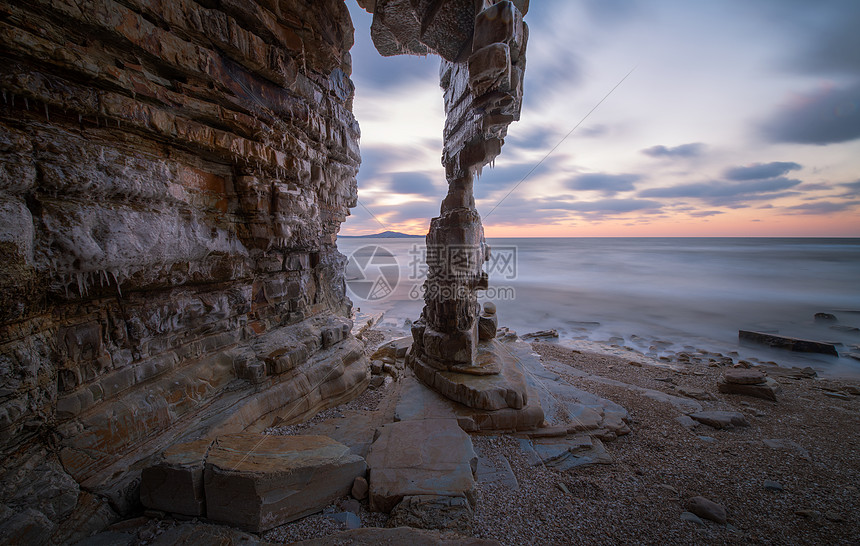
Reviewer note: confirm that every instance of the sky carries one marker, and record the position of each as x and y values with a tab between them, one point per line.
739	118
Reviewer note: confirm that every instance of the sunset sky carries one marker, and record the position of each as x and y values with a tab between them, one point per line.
741	118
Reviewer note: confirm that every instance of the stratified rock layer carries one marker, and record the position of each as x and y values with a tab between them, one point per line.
172	179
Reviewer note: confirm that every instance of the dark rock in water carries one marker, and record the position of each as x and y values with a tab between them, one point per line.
790	343
541	333
825	317
843	328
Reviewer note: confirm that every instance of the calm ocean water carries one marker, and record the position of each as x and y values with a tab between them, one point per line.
660	295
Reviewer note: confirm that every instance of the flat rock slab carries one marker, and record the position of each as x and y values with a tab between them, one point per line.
252	481
782	444
742	376
721	419
565	453
375	536
417	401
571	407
496	470
790	343
429	457
766	390
504	388
453	514
257	482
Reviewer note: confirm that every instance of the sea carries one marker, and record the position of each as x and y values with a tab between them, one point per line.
657	296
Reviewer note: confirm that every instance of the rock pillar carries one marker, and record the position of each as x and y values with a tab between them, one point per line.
483	94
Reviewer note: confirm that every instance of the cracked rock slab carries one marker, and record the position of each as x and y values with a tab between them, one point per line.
428	457
257	482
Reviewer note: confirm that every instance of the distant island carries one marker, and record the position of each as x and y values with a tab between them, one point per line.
383	235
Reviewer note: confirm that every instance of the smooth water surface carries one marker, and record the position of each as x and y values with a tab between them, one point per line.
661	295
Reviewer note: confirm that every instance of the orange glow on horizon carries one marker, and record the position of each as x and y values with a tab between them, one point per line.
742	223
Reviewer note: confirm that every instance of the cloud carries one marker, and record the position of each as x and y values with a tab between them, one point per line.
853	187
507	176
824	207
706	213
612	12
828	42
416	183
593	131
608	184
536	139
409	211
693	149
715	189
760	171
822	117
604	205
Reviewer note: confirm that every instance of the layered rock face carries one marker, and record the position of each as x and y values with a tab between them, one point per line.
172	179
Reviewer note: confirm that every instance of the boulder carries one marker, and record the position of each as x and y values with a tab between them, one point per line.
257	482
721	419
741	376
428	457
766	390
487	326
693	392
175	483
394	349
706	508
359	488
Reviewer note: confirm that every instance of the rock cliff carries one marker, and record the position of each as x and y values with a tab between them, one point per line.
173	175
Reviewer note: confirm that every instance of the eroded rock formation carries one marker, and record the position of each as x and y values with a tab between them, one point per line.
483	63
173	177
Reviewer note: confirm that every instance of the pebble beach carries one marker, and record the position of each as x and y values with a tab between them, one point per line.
789	477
